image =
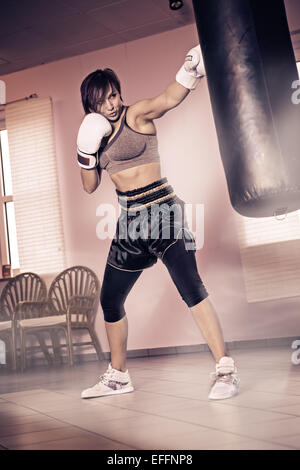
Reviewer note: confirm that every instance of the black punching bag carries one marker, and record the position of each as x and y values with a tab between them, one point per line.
250	66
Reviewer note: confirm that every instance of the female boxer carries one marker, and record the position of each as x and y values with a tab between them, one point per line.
122	140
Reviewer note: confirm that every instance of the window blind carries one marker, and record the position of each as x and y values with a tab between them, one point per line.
270	255
35	186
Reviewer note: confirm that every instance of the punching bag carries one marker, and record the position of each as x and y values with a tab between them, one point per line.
250	67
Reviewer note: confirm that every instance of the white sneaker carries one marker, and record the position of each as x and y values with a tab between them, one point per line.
225	382
111	382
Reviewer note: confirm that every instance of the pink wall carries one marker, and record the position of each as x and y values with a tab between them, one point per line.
190	158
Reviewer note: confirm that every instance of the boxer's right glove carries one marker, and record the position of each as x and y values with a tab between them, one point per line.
192	70
91	131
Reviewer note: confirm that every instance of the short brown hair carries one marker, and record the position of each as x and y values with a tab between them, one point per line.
95	81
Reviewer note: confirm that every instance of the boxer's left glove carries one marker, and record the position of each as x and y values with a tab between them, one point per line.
192	70
91	132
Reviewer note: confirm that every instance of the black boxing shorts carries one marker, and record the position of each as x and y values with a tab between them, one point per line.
151	220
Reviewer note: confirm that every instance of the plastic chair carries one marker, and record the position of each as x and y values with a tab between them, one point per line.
72	303
8	335
24	287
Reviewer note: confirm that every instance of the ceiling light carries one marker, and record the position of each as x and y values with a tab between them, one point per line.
175	4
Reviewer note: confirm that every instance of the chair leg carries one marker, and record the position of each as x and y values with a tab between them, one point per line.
70	343
8	358
13	349
44	348
23	349
55	345
96	343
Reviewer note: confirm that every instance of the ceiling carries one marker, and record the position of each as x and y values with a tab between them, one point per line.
35	32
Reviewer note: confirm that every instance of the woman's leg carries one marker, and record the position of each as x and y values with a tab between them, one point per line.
207	320
116	285
182	267
117	333
115	289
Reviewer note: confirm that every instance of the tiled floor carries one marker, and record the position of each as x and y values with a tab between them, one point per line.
169	409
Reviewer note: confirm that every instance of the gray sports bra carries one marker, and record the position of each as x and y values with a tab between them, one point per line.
127	149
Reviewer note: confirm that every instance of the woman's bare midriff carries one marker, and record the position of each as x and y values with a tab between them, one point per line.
136	177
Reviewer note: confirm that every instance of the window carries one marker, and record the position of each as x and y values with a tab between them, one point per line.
270	255
8	239
33	236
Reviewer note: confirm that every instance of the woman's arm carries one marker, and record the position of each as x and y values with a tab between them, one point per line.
91	179
155	108
187	79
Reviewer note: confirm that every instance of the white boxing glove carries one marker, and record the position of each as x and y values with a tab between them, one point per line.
192	70
91	131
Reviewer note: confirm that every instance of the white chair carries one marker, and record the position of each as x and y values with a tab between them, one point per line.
23	287
72	303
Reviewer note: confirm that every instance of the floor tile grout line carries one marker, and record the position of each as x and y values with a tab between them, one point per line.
248	390
244	408
43	414
65	394
34	431
196	400
234	406
286	445
204	426
67	438
82	429
149	414
159	416
71	425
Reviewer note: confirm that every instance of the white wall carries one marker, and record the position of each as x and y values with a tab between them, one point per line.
191	161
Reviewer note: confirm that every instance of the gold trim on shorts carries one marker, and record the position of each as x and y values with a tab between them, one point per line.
136	208
182	229
173	243
137	196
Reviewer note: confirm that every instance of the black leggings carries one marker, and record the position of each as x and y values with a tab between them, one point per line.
181	264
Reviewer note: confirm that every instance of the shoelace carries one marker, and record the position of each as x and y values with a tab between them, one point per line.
225	378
